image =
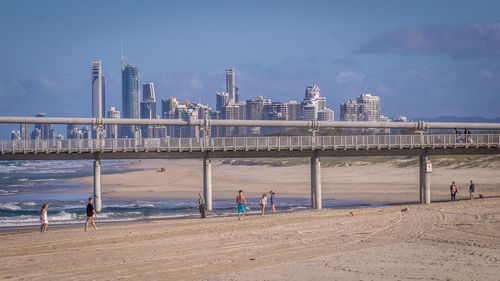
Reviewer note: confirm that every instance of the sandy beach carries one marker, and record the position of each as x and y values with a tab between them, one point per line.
443	241
377	183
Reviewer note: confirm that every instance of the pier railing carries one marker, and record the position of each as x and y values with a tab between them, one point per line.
417	141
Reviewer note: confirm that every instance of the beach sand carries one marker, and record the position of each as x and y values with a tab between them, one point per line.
447	240
444	241
376	183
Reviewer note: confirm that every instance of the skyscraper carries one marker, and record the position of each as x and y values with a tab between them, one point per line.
148	108
222	101
112	130
130	96
97	87
230	86
43	129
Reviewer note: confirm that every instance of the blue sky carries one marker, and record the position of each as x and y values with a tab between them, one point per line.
423	58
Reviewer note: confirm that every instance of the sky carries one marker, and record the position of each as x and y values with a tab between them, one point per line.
423	58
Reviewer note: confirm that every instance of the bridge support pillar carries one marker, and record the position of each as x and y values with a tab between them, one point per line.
207	182
316	202
97	185
425	181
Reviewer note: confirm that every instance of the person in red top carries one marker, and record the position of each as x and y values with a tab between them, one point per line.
453	191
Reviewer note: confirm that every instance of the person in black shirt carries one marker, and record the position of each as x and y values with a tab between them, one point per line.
90	214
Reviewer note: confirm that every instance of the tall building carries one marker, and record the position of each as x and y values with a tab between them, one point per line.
293	110
97	85
44	129
130	96
349	111
313	103
71	131
369	107
222	100
310	112
24	130
255	108
325	115
113	130
230	84
168	107
365	108
148	108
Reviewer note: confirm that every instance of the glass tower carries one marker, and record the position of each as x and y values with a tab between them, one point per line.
130	96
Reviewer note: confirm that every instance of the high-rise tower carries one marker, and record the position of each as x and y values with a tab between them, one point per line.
230	86
130	96
97	87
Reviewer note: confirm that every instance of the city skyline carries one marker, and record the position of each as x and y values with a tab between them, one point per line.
345	50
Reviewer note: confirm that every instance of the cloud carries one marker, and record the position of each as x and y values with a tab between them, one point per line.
349	76
462	41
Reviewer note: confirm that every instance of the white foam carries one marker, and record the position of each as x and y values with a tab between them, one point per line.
10	206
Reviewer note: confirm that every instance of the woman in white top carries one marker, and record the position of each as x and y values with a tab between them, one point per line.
263	202
44	218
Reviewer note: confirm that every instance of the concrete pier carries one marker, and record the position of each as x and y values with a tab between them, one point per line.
207	182
425	181
316	201
97	185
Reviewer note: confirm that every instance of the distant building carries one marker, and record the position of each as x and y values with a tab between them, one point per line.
24	130
168	107
230	84
148	108
400	118
293	110
221	101
365	108
369	107
113	130
97	90
314	103
130	96
44	129
325	115
310	111
255	108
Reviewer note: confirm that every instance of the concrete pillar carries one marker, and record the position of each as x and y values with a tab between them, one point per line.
425	181
97	185
422	178
316	201
207	182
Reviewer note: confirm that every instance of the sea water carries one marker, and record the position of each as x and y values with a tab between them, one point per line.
26	185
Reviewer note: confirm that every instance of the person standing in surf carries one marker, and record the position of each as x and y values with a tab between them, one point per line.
242	205
273	202
44	219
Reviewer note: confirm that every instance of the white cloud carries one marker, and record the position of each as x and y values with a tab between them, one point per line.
349	76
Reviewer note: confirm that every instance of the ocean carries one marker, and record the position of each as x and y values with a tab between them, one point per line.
26	185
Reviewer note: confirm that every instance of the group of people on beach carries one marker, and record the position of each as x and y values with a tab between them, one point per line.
241	204
454	190
44	219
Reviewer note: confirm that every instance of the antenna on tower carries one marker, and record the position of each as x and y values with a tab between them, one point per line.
121	48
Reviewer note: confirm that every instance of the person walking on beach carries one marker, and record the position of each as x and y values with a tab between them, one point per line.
44	218
242	204
201	205
273	202
90	214
472	187
453	191
263	203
